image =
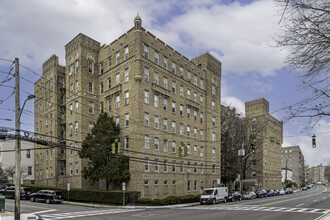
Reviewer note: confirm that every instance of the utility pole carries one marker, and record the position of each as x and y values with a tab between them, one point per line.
18	143
286	172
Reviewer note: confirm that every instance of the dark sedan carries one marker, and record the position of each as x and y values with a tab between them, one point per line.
48	196
235	196
9	192
261	193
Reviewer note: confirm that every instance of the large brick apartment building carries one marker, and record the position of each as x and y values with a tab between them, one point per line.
159	98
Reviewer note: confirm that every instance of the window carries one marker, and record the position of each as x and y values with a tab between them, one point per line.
213	89
181	167
173	86
173	67
91	107
188	185
195	167
77	88
126	75
109	105
90	87
146	182
165	124
201	134
213	152
173	146
156	119
181	71
101	88
181	129
146	164
90	66
71	110
29	170
165	82
188	76
181	110
188	93
201	117
146	119
71	171
126	97
101	107
117	101
117	78
76	127
117	58
126	53
156	143
156	167
201	99
213	121
213	105
165	165
118	121
70	131
173	166
76	150
156	78
156	101
165	145
188	130
202	152
195	97
213	136
202	84
173	127
71	91
188	112
126	120
165	104
173	107
101	68
77	65
77	168
146	142
76	109
195	150
90	127
156	57
181	90
195	185
109	63
188	149
213	169
28	153
202	170
195	132
109	83
126	142
195	80
146	51
195	115
165	62
146	97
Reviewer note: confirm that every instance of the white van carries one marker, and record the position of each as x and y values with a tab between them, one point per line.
214	195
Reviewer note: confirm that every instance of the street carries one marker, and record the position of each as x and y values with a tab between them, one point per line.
303	205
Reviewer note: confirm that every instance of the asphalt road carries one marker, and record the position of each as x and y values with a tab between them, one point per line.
303	205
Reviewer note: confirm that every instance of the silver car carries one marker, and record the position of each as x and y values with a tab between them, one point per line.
250	195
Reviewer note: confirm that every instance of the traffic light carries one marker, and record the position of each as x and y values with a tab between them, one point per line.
115	145
253	147
314	141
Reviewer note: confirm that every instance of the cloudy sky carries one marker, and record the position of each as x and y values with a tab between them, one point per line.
238	32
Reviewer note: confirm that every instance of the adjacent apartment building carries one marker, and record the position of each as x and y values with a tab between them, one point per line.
317	174
267	133
159	98
7	160
293	159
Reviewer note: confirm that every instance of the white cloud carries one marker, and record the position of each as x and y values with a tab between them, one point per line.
234	102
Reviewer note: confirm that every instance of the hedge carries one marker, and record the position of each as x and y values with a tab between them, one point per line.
171	200
94	196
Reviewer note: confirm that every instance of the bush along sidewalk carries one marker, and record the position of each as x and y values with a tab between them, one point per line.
93	196
171	200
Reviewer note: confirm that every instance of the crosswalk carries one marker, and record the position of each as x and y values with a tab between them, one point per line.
77	215
259	208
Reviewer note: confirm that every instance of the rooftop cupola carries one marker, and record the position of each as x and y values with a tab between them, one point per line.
137	22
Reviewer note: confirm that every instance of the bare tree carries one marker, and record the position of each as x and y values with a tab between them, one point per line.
10	172
306	34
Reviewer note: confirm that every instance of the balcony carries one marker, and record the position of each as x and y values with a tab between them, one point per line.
192	104
161	91
114	90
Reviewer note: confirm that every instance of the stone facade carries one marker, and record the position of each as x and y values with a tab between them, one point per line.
293	158
159	98
317	175
268	134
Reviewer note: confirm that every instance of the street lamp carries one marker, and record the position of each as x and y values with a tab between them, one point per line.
18	155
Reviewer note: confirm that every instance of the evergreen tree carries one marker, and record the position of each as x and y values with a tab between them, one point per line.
106	165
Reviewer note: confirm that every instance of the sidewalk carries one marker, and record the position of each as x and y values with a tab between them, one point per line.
10	216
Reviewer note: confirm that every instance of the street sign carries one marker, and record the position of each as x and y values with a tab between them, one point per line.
123	186
68	187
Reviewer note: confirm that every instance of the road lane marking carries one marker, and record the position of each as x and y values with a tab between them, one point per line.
300	204
315	200
325	189
31	206
324	197
315	210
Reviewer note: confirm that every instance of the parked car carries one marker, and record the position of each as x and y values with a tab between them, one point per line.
303	188
282	192
235	196
270	193
48	196
277	192
308	186
214	195
288	191
261	193
9	192
250	195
